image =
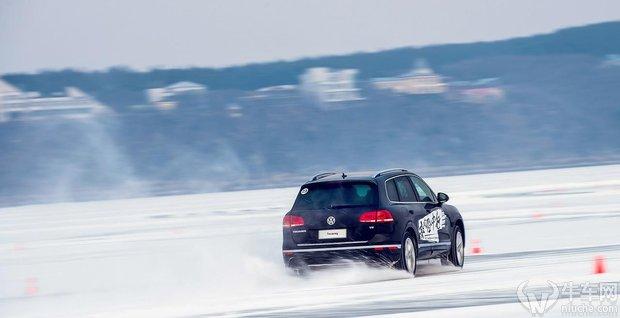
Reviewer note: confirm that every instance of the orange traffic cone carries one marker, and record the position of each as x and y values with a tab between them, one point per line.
599	264
476	249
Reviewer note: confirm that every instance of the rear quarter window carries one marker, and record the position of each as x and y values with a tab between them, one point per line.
392	193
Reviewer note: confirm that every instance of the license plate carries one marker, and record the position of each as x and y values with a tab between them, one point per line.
332	234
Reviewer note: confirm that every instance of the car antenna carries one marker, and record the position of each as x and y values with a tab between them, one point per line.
344	175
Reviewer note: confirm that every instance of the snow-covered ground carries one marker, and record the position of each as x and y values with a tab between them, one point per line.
219	254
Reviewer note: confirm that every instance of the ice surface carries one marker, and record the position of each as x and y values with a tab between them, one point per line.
219	254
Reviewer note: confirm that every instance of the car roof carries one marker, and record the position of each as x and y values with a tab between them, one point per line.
358	175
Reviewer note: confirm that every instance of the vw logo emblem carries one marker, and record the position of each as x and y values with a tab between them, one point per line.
331	220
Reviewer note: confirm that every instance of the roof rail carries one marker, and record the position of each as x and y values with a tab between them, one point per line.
322	175
390	170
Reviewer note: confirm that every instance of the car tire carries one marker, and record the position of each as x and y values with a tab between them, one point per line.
297	268
409	255
457	248
445	261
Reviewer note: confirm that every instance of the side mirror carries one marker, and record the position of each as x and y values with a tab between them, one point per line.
442	197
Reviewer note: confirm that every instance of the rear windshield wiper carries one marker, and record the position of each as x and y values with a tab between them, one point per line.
341	206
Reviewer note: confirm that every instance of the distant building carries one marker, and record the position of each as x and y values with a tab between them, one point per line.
171	96
330	86
482	91
274	92
72	104
421	80
482	95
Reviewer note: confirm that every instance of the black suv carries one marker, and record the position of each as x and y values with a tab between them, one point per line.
389	218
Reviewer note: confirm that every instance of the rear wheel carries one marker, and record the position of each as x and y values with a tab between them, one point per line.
409	255
297	268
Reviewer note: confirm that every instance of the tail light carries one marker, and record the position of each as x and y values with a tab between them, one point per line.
292	221
379	216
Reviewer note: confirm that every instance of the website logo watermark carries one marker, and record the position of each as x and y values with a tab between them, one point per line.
579	299
538	302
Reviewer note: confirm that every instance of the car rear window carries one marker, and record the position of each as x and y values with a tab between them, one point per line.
336	195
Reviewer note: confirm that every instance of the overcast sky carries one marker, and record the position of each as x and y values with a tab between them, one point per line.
89	34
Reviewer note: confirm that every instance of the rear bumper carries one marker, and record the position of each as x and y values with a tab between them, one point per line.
343	248
324	256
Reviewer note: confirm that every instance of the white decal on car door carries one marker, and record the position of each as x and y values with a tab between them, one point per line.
430	225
